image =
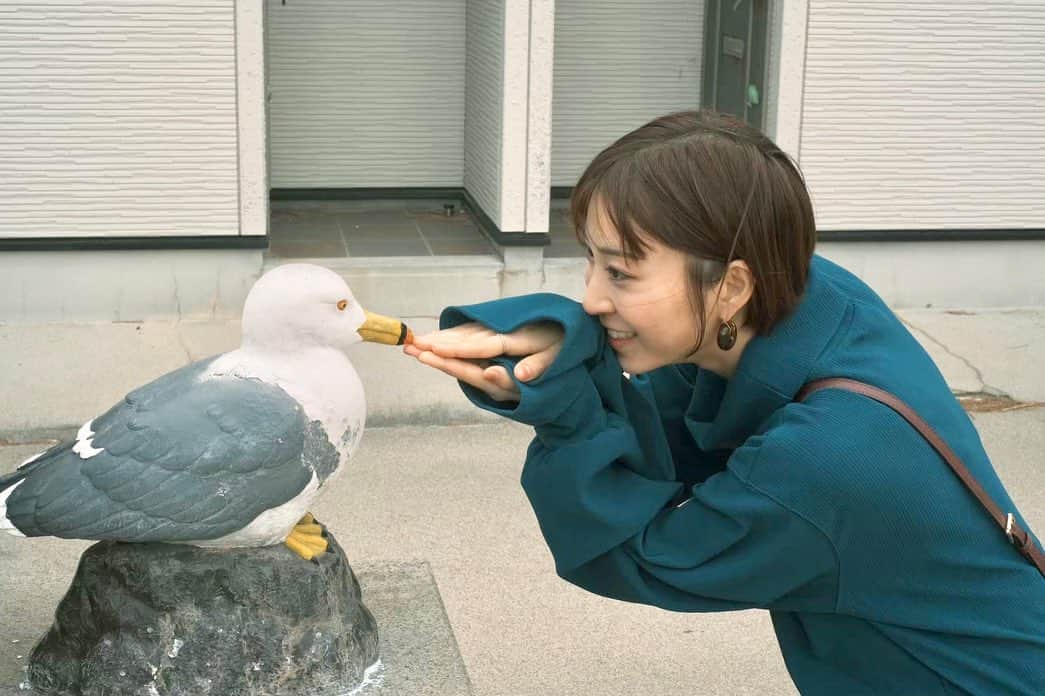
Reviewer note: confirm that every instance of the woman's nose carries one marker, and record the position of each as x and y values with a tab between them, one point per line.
595	301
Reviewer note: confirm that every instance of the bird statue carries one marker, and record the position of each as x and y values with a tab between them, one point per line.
225	452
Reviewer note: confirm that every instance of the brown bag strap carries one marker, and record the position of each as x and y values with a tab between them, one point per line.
1019	537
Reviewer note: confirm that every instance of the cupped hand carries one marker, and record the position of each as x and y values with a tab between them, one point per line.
463	352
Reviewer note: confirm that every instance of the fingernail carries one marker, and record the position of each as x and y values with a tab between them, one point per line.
522	372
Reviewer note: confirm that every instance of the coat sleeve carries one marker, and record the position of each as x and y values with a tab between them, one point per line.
601	479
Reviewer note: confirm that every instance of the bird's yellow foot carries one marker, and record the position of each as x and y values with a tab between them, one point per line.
307	539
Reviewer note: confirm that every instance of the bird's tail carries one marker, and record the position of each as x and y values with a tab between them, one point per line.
23	470
8	482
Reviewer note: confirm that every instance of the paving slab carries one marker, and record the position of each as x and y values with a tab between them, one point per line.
419	654
992	351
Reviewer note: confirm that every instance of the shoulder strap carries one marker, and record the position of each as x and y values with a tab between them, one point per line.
1019	537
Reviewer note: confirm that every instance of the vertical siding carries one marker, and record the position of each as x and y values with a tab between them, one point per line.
483	117
619	64
117	119
771	88
925	115
366	93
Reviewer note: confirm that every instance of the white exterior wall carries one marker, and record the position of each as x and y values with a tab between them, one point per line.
118	119
484	78
252	115
925	115
366	93
619	64
541	50
785	73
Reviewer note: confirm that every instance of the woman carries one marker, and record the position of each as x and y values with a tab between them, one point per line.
697	482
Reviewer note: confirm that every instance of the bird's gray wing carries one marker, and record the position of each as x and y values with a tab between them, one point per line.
182	459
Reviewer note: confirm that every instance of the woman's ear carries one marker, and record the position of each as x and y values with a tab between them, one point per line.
736	288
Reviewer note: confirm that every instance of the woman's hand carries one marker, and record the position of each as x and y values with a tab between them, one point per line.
463	353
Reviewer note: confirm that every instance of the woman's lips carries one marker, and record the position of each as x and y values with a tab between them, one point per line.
619	339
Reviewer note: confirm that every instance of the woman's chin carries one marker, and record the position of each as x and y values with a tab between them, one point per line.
636	365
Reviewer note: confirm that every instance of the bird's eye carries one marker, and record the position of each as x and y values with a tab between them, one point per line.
342	305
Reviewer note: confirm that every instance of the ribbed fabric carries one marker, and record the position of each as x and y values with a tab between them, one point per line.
689	492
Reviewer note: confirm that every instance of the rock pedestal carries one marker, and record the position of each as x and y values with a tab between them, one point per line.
175	620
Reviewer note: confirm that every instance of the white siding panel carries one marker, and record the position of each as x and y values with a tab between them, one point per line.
366	93
925	115
619	64
117	119
483	115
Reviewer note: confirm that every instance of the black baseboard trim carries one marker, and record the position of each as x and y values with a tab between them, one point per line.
498	236
213	242
361	194
932	235
482	220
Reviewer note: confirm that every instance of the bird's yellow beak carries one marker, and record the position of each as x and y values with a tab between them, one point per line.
382	329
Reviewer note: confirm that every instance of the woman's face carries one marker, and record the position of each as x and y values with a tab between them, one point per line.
645	305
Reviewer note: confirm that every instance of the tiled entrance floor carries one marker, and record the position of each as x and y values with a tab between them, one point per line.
564	242
309	229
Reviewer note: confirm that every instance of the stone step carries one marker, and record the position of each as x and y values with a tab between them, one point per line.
415	286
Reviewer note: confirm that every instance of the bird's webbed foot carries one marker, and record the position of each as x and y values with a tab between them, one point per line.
308	538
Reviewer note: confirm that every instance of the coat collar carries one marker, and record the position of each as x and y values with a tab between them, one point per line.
724	413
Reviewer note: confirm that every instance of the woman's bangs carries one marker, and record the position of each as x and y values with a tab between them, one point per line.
625	205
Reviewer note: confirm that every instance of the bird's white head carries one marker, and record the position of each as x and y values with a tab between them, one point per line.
301	305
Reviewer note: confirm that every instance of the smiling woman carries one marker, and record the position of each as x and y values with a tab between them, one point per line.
646	303
709	478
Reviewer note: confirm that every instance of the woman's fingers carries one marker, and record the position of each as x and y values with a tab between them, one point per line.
477	344
533	338
533	366
497	375
465	341
472	373
457	351
464	332
476	341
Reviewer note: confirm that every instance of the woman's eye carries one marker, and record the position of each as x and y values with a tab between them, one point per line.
616	274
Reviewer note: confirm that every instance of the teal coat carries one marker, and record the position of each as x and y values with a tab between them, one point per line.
683	490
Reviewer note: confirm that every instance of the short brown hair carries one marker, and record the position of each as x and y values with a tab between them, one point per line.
715	188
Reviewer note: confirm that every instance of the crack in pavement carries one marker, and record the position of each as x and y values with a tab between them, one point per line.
182	342
984	387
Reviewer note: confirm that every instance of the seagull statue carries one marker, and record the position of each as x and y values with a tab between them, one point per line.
225	452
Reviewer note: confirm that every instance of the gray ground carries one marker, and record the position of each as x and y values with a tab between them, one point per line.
449	496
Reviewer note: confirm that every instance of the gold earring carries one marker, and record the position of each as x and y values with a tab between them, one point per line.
727	334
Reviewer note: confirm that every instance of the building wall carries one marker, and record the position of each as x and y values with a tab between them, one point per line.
925	115
774	38
484	118
366	93
619	64
117	119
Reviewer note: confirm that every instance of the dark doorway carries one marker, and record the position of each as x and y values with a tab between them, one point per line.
735	58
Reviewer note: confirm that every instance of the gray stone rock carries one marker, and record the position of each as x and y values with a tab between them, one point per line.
172	620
